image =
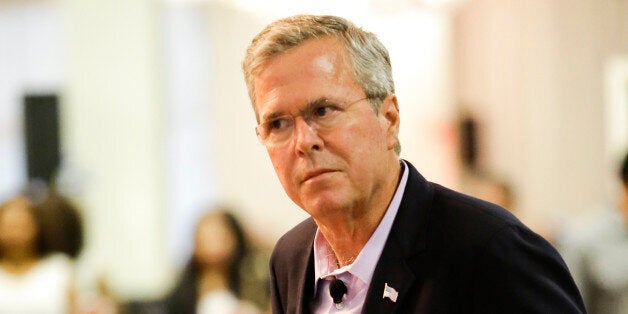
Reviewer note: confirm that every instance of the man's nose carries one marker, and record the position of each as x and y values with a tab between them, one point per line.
306	137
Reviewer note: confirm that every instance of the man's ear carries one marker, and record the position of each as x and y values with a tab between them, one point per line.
389	111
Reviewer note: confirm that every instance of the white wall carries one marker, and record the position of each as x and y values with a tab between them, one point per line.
31	61
191	186
533	72
114	140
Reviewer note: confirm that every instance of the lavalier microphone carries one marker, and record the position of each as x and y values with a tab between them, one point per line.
337	290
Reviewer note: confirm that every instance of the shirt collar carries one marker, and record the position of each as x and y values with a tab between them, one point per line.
364	265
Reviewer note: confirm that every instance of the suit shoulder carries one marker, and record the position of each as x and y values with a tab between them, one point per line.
296	242
477	219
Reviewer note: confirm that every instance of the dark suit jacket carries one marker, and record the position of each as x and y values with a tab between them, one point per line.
446	253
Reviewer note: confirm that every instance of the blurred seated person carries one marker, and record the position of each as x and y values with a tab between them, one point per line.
32	279
597	254
211	282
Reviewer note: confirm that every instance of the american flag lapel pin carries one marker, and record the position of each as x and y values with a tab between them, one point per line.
390	292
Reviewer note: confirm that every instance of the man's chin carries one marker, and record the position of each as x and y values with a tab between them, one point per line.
324	204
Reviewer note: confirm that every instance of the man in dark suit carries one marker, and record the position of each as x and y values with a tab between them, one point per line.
381	239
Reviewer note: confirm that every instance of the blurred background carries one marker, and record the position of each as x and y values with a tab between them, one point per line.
137	112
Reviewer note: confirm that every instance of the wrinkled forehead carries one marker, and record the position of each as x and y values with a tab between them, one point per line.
298	71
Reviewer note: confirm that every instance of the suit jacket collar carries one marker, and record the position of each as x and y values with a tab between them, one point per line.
406	239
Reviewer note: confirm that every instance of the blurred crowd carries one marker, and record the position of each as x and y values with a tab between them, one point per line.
41	236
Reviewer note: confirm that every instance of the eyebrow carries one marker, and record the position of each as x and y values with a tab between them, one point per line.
310	106
270	116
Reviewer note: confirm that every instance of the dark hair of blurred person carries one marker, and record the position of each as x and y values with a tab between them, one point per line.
31	279
214	269
63	224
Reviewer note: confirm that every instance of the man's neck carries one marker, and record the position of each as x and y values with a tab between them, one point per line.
348	236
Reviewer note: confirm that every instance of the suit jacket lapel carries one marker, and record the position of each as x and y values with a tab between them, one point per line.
304	271
406	239
392	271
306	282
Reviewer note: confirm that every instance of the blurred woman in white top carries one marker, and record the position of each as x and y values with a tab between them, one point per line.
32	280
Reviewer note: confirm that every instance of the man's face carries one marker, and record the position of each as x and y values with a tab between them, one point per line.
338	168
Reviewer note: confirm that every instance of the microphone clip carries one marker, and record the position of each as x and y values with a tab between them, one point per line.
337	291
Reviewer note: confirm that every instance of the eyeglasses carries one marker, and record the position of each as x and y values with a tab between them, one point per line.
320	115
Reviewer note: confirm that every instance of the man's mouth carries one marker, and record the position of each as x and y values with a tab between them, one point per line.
315	173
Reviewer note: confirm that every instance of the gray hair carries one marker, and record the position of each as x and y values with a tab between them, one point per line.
370	59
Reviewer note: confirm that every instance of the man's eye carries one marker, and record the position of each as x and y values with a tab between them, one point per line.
277	124
323	111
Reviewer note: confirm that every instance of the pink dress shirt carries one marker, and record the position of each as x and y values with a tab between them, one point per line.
356	276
